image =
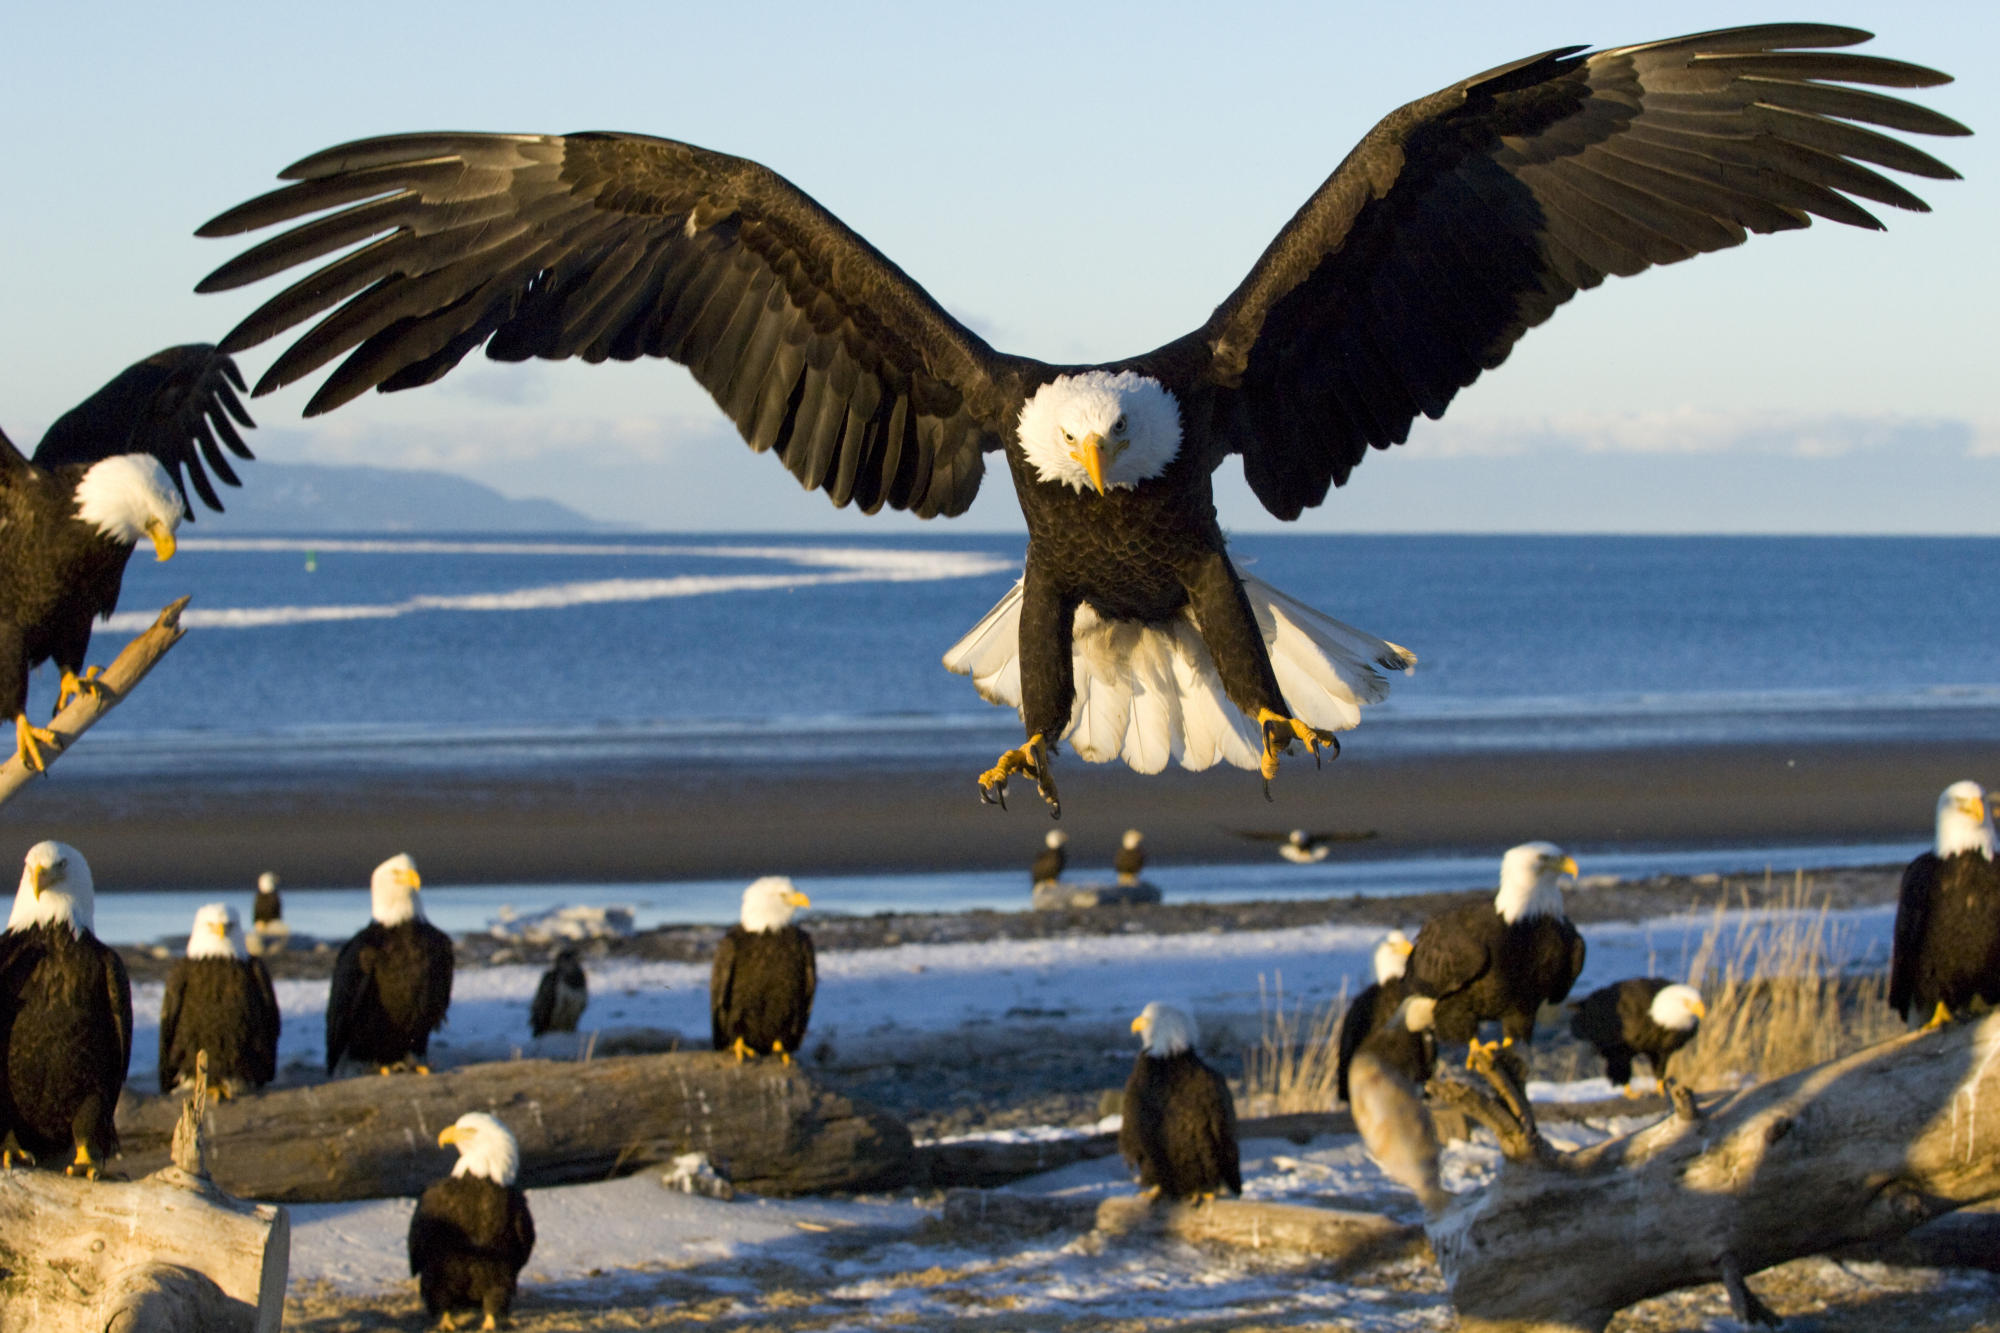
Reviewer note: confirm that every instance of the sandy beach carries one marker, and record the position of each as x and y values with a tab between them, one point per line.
762	813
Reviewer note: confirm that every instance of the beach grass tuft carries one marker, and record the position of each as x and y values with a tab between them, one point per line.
1293	1066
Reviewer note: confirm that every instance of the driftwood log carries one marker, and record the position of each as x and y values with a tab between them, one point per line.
125	672
1345	1240
766	1126
1862	1149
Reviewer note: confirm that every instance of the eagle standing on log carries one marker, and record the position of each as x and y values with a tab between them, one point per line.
1461	221
1947	944
108	473
760	990
218	999
1179	1121
392	980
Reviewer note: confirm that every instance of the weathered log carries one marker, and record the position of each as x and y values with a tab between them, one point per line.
766	1126
1343	1239
1861	1149
125	672
991	1213
166	1254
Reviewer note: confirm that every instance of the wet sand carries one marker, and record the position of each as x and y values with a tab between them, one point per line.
650	821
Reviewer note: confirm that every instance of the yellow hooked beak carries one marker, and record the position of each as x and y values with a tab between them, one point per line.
1972	809
1404	946
1090	452
163	539
1568	866
37	875
797	899
412	880
447	1135
1139	1023
221	929
1700	1009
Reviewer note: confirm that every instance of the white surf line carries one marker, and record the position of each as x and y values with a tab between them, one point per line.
849	565
848	556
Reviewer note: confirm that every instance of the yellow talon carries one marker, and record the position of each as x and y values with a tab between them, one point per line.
1279	733
489	1325
83	1159
742	1051
28	740
1479	1054
384	1070
1031	759
1632	1092
73	685
1938	1019
778	1049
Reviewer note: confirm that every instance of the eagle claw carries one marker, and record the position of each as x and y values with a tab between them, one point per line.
28	740
1031	759
74	685
1279	733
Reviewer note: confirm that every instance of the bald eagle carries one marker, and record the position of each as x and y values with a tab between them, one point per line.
560	996
1461	221
1302	847
1947	944
1130	863
1179	1121
760	991
1504	960
1647	1016
107	473
218	999
1374	1011
472	1233
392	980
1051	860
65	1019
269	909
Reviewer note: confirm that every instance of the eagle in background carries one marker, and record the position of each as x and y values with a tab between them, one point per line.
1458	223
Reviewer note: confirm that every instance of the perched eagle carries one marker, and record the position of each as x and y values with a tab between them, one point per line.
1303	848
1947	945
1372	1012
1130	863
1504	960
560	996
65	1019
269	909
1051	860
760	992
1647	1016
392	981
1460	222
106	474
472	1232
1179	1121
219	999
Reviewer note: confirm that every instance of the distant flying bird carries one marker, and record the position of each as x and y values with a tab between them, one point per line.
392	980
1301	847
1050	861
1647	1016
760	990
218	999
1372	1011
1947	945
1130	863
1179	1121
108	473
65	1019
560	996
1460	222
472	1233
1501	960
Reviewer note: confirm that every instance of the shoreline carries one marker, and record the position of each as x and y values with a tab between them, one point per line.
645	820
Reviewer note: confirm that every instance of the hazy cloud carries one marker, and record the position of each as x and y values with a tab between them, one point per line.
1700	431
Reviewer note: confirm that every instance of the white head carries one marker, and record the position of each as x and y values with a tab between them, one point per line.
217	933
1392	955
486	1148
1100	431
267	882
1297	837
1132	839
1964	823
1678	1008
129	496
1418	1013
768	904
392	891
1163	1029
1055	840
1531	881
56	890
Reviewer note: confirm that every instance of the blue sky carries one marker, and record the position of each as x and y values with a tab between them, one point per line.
1075	186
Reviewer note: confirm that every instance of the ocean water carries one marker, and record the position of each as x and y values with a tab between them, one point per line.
487	651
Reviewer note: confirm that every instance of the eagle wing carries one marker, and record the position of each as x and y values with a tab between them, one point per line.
721	980
1913	914
119	985
180	405
1355	1025
618	246
353	983
170	1017
543	1009
1465	218
1452	951
268	1023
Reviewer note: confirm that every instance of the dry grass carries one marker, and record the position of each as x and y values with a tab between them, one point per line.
1293	1066
1783	999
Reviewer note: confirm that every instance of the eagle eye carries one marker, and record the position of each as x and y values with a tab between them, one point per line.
1118	426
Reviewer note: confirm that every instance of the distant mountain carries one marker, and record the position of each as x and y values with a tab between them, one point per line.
313	498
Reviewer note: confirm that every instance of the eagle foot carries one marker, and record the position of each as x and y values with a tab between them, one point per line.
778	1049
1479	1055
1032	759
447	1320
28	740
1279	733
73	685
741	1050
84	1165
1938	1018
10	1156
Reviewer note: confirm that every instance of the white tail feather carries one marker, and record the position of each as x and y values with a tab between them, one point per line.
1150	693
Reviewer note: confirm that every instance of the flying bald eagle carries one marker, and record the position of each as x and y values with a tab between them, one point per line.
760	991
472	1233
1460	222
392	980
65	1019
1302	847
1647	1016
106	474
218	999
1503	960
1947	945
1411	1050
1179	1121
